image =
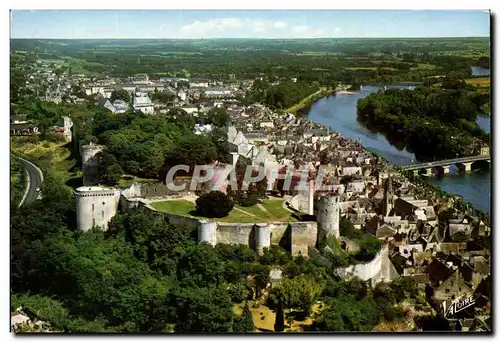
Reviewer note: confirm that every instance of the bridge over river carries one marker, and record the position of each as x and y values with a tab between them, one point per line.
464	163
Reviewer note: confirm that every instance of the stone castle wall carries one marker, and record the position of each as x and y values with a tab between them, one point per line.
371	270
300	202
296	237
377	270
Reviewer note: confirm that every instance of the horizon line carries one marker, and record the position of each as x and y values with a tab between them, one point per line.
251	38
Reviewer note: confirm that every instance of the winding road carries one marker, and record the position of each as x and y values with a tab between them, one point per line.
35	180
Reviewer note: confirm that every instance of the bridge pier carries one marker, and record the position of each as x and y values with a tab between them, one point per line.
462	163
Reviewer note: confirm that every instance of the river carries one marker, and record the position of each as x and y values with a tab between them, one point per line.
480	71
339	113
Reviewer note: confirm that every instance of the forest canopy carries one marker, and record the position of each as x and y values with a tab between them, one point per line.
432	123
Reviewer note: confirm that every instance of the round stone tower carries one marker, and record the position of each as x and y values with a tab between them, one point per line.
95	206
90	163
328	217
262	237
207	232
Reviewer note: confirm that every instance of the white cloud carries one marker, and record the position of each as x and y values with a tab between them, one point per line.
245	27
280	24
304	31
337	29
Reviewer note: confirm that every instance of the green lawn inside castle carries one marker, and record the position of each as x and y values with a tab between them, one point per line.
269	210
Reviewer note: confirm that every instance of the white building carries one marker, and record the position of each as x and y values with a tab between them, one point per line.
191	110
120	106
198	85
182	95
202	129
107	92
266	124
214	92
143	103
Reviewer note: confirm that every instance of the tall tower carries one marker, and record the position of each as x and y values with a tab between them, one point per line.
207	232
388	202
262	237
67	124
90	163
328	217
95	206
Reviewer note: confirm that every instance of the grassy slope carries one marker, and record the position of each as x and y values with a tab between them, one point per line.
306	101
61	163
186	208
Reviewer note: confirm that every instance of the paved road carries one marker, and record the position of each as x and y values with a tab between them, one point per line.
35	181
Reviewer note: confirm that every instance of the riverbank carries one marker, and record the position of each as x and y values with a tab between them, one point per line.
339	114
346	92
309	100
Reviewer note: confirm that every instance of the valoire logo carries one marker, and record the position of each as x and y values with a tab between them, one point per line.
457	305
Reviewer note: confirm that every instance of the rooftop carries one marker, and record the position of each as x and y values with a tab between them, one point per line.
92	188
142	101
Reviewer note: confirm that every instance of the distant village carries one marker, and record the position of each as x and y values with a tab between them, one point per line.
437	251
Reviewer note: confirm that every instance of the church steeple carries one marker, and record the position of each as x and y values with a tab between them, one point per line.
388	203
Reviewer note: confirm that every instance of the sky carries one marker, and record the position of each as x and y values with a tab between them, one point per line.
178	24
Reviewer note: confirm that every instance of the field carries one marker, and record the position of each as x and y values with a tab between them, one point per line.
479	81
80	66
269	210
264	318
308	59
371	68
424	66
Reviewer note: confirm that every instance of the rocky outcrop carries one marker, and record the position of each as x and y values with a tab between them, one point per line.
21	322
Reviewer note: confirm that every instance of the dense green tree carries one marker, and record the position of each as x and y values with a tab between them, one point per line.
219	141
279	324
204	309
200	266
330	321
238	291
218	116
110	172
275	255
244	323
383	295
238	253
403	288
120	94
369	246
349	314
153	239
192	150
300	293
432	123
214	204
163	96
347	229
